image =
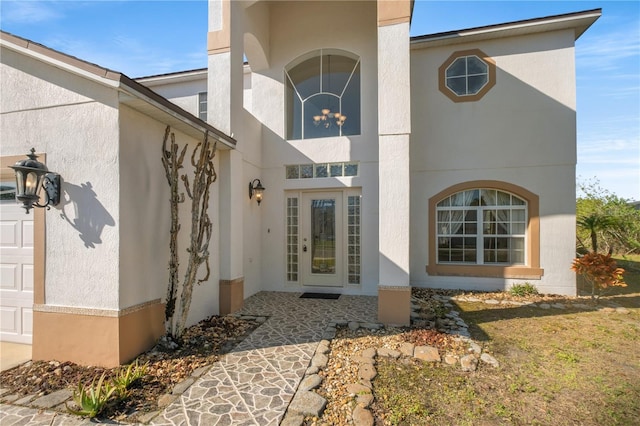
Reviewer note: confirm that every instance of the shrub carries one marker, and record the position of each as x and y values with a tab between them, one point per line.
526	289
600	271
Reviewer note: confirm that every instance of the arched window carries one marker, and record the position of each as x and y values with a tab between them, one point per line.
484	229
323	95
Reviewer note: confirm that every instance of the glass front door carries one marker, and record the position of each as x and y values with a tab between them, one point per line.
322	259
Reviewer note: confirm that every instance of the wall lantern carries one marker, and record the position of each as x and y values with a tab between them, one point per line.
255	187
31	176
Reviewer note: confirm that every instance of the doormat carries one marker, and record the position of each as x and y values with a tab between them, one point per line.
328	296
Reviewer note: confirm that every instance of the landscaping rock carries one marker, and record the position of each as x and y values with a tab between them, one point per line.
407	348
475	348
363	360
389	353
200	371
357	389
558	306
310	382
183	386
369	353
311	370
24	400
308	403
166	399
322	349
469	363
544	306
367	372
364	399
146	418
489	359
491	302
292	419
53	399
353	326
371	325
319	360
427	353
450	359
362	417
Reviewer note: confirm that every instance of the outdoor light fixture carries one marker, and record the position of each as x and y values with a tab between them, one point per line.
31	176
255	187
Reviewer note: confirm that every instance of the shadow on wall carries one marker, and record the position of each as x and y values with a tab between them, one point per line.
90	216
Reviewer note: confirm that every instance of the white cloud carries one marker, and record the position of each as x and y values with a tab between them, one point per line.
606	52
28	12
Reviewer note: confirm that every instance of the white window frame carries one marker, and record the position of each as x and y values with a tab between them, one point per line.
479	235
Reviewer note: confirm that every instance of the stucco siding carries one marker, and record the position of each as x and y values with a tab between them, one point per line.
521	132
79	136
146	218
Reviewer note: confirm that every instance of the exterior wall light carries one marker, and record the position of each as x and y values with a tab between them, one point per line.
255	187
31	176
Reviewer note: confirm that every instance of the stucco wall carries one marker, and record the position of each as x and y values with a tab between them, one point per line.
295	29
183	93
146	217
522	132
75	122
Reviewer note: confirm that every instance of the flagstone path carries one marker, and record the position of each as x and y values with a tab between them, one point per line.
254	384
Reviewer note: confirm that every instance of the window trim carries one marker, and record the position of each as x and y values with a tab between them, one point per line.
531	269
442	75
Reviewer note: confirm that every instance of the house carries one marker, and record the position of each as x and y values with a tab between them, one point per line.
388	161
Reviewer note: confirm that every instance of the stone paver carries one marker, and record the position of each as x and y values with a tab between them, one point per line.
257	381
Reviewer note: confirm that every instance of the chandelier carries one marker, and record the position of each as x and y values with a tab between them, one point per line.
328	118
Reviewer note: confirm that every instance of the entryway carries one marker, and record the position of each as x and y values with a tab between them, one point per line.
329	246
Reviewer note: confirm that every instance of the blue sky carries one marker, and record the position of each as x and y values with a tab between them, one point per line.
142	38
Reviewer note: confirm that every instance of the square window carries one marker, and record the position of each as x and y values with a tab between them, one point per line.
351	169
293	172
335	170
306	171
321	171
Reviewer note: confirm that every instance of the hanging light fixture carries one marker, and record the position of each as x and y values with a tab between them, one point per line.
31	177
255	187
328	118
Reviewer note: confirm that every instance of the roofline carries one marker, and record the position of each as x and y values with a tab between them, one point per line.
492	31
116	80
185	73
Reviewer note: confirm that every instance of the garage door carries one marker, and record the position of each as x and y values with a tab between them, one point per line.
16	268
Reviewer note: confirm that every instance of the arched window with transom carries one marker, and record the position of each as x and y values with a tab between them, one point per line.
323	95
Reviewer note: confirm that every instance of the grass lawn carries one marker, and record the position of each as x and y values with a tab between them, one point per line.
557	367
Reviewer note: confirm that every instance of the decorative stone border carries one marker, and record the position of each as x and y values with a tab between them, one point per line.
609	307
306	402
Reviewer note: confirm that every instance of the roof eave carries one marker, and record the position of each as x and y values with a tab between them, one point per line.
579	22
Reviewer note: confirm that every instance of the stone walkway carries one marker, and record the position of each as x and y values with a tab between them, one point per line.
253	384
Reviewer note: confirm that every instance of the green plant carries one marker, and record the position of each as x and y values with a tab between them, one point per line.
91	400
125	377
522	290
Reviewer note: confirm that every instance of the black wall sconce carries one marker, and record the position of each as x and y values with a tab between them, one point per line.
256	188
31	176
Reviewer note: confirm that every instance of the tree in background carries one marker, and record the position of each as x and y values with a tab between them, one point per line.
606	221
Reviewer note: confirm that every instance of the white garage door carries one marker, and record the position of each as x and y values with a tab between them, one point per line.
16	268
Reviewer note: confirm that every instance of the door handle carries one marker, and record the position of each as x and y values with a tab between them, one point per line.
304	248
